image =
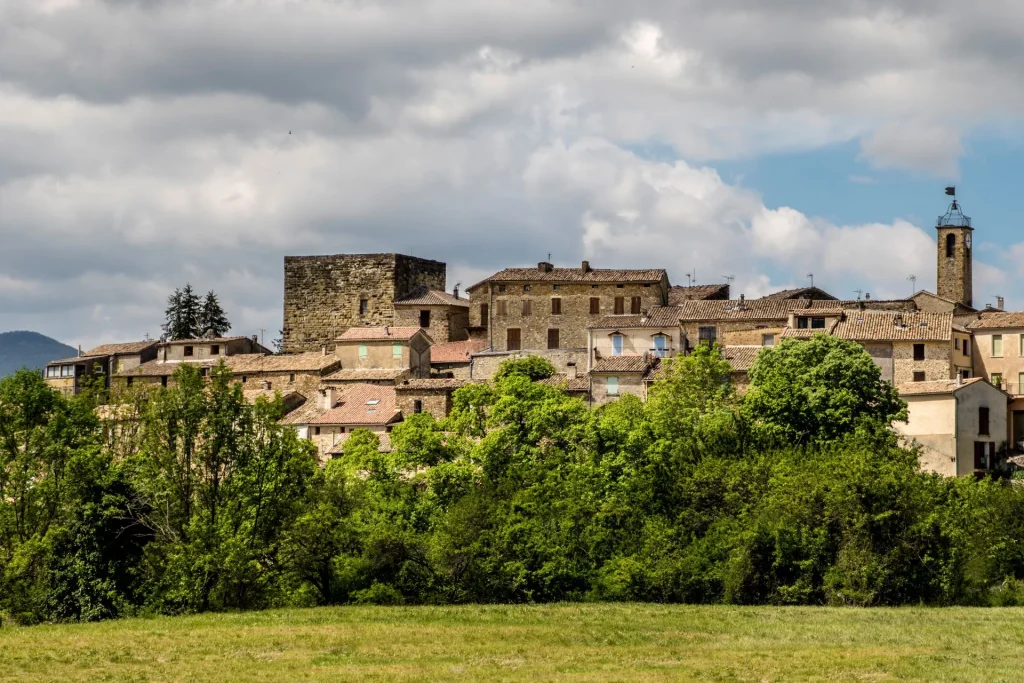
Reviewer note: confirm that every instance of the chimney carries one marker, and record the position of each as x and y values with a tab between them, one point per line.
999	303
959	378
330	396
255	341
570	369
79	350
386	333
455	292
867	296
545	267
585	267
742	298
324	349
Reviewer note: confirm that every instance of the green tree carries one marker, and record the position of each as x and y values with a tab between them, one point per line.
534	367
818	390
183	314
212	319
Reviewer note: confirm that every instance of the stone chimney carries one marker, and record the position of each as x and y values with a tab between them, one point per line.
386	333
330	397
455	291
585	268
570	369
999	303
545	267
867	296
324	349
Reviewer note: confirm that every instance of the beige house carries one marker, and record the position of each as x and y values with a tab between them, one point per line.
385	348
68	375
329	419
615	376
960	425
998	355
202	353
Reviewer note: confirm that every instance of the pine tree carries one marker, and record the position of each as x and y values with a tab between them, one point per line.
212	319
172	324
191	309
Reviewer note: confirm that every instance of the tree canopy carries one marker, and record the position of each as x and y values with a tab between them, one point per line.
189	316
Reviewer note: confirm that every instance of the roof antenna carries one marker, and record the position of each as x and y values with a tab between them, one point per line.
913	284
858	293
689	280
549	257
729	279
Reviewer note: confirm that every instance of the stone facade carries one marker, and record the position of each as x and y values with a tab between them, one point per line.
447	323
955	277
937	363
325	295
626	383
437	402
736	332
568	362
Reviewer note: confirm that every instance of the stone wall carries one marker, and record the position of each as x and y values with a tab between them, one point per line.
631	383
736	332
936	365
322	294
437	402
484	365
572	322
954	275
447	323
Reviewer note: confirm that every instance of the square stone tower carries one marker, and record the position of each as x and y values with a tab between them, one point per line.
326	295
955	278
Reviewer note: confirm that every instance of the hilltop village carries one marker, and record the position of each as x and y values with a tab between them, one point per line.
369	339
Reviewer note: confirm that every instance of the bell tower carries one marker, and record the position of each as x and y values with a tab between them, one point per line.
955	279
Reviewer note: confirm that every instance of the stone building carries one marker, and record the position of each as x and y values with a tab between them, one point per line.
325	295
329	418
432	396
809	293
302	372
443	316
612	377
202	353
624	349
454	358
374	349
960	425
955	269
103	362
998	356
549	309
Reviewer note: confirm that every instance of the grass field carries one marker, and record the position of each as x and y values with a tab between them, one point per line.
530	643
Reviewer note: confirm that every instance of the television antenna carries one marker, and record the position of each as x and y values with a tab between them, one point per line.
729	279
858	292
913	284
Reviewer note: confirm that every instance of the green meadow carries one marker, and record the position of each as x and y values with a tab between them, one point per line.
564	642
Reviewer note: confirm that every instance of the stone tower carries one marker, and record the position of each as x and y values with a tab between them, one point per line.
955	278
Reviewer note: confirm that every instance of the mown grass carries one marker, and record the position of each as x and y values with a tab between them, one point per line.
530	643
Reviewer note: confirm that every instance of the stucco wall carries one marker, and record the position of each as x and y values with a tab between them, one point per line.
415	355
969	400
1010	365
635	341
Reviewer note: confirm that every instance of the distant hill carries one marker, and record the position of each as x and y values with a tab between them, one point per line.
29	350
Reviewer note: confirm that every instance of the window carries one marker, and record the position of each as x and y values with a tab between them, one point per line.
595	305
128	382
425	318
188	350
1020	383
801	323
634	305
983	420
1020	352
364	306
291	377
502	307
956	343
501	288
918	375
527	307
556	287
997	346
767	340
553	338
967	347
484	315
620	305
163	381
980	455
950	245
417	406
244	379
513	340
918	351
966	374
526	288
556	306
362	350
215	349
396	351
661	346
65	371
619	286
316	431
616	344
997	379
817	323
707	334
613	386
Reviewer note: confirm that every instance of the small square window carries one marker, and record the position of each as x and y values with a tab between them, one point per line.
501	288
918	351
214	349
291	377
526	288
556	287
188	351
918	375
767	340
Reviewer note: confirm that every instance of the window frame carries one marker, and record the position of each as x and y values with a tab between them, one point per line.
556	339
364	306
635	305
919	376
609	382
188	351
703	337
527	308
984	422
595	305
363	351
508	338
396	351
620	306
997	338
424	316
618	342
769	338
919	356
556	305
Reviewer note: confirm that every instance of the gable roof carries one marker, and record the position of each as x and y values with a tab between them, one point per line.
160	368
422	296
679	293
456	352
433	383
381	333
76	359
815	293
659	316
993	320
122	348
743	309
588	276
312	361
895	326
741	358
626	364
362	404
366	375
574	385
941	386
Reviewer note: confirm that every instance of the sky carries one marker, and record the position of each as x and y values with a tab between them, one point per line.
145	144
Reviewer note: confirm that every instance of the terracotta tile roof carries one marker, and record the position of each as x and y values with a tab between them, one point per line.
291	400
898	326
206	340
380	333
77	359
339	447
445	383
993	320
741	358
678	293
307	412
456	352
638	364
807	333
366	375
591	276
159	368
749	309
659	316
430	297
362	404
126	347
941	386
581	383
312	361
800	293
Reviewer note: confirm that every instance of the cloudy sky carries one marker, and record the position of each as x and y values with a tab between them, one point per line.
145	144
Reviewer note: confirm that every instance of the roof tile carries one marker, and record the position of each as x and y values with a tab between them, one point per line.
379	333
456	352
430	297
125	347
594	275
895	326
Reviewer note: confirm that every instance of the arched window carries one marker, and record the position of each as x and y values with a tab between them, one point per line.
950	245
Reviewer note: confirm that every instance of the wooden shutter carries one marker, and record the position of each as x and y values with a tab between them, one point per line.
513	340
553	338
595	305
634	305
502	307
527	307
620	305
983	420
556	306
484	311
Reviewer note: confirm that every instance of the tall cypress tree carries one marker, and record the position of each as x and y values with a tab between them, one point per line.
212	319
